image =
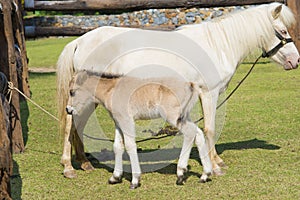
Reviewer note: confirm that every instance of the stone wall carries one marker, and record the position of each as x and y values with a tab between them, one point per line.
151	17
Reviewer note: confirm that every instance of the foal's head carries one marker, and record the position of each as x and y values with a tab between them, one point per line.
80	95
85	89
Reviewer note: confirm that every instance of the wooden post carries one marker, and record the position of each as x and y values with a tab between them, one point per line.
294	5
22	65
6	164
12	41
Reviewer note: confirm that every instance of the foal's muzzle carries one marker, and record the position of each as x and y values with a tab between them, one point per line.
70	110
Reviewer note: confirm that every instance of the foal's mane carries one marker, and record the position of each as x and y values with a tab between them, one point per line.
103	74
83	75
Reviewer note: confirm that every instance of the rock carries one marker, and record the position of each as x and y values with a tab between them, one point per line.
149	17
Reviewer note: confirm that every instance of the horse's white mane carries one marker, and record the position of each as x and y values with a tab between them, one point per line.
237	28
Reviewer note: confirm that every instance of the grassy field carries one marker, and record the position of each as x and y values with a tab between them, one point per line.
259	142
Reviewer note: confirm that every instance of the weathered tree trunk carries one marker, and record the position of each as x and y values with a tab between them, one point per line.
32	31
131	5
13	61
5	150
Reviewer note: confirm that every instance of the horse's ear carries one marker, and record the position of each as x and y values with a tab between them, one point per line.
276	12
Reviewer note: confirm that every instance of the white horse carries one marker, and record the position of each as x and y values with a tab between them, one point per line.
207	54
169	98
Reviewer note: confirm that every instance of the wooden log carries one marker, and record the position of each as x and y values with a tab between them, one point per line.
294	5
33	32
8	65
113	6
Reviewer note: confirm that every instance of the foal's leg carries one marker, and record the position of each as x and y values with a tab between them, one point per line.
189	134
204	155
209	104
118	150
190	131
128	129
69	171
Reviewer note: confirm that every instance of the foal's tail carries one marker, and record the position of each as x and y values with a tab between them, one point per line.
65	71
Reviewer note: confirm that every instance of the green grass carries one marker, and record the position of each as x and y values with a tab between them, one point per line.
45	52
259	142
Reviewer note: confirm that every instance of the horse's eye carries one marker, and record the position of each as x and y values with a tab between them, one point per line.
72	93
283	32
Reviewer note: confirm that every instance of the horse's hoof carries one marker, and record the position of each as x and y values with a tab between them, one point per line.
223	165
114	180
70	174
218	172
180	180
134	186
87	166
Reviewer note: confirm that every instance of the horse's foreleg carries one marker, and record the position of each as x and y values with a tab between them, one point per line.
69	171
118	150
209	104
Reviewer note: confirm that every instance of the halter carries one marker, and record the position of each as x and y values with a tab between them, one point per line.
283	41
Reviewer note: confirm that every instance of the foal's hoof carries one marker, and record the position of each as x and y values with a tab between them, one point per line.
70	174
218	172
204	178
114	180
87	166
180	180
134	186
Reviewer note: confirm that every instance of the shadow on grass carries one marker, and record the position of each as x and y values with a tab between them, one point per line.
163	160
16	182
24	120
247	144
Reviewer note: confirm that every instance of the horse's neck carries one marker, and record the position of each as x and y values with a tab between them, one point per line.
231	39
232	49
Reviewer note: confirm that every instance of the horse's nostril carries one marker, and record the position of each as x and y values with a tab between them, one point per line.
298	60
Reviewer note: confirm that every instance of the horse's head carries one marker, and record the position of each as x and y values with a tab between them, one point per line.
80	95
281	48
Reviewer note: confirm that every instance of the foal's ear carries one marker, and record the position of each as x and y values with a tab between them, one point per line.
81	78
276	12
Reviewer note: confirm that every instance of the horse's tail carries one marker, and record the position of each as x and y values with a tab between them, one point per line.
65	71
189	101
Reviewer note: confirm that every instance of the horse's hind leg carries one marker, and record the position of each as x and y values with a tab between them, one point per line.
69	171
85	164
80	122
